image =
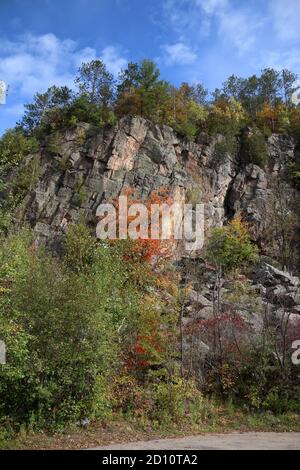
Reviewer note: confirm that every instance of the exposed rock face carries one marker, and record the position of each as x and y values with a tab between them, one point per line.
87	166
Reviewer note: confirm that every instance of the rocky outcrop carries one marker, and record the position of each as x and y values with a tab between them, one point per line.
269	294
85	165
281	290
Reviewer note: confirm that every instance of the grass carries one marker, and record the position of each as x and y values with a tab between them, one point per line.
224	419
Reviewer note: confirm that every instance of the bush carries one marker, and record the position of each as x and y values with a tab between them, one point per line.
263	384
254	149
24	180
294	174
225	119
18	154
14	146
176	401
230	247
61	329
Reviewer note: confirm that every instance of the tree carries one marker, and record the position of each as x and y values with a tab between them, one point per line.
96	83
140	91
230	250
288	85
39	112
14	146
226	118
250	97
61	324
233	87
270	84
79	248
196	93
187	111
244	90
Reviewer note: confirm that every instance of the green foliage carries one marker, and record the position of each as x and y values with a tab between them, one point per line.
18	154
140	91
230	247
79	190
58	108
226	146
64	163
294	173
64	324
162	403
46	109
54	143
95	83
190	123
225	121
193	196
79	248
84	110
263	384
25	179
14	146
177	401
254	149
270	87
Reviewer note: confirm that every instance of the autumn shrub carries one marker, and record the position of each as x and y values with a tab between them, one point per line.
159	402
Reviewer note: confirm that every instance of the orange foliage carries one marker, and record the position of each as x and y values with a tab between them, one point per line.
147	249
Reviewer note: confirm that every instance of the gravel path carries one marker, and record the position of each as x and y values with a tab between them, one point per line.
232	441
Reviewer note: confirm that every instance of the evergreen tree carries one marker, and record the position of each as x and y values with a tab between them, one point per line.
37	113
95	82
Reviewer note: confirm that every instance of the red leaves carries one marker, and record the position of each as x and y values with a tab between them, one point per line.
144	352
225	319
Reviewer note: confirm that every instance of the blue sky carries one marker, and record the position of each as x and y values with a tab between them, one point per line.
43	42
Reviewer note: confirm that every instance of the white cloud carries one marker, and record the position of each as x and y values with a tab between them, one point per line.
185	17
84	55
288	59
234	24
179	53
33	63
286	19
239	27
113	60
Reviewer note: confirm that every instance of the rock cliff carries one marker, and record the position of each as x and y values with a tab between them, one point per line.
85	165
